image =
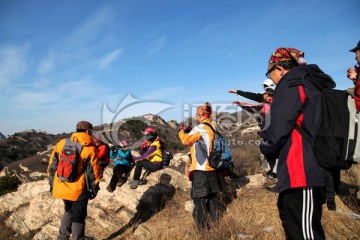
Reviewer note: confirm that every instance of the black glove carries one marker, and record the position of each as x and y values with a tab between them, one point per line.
188	129
93	192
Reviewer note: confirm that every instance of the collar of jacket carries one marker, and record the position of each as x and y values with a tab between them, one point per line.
82	138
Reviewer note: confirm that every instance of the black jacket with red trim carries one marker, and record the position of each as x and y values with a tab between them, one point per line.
296	101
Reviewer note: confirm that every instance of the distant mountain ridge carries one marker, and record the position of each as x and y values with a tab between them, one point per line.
2	136
30	142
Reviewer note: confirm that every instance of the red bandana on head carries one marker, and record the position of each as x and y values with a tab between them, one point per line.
283	54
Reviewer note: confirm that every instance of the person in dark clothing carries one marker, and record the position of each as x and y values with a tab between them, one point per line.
262	98
261	111
301	183
257	97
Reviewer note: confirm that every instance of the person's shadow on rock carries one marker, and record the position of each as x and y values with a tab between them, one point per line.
151	202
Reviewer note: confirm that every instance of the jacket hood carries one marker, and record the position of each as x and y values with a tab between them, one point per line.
82	138
324	80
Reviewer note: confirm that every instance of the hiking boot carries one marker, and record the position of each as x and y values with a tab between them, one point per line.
270	174
134	184
121	181
109	189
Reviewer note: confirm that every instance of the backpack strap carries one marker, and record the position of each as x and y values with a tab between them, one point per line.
306	136
212	128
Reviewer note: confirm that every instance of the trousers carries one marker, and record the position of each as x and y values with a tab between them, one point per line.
300	211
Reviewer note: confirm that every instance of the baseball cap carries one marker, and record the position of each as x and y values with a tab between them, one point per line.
355	48
84	125
269	83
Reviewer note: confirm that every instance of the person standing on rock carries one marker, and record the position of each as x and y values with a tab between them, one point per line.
75	193
296	102
205	179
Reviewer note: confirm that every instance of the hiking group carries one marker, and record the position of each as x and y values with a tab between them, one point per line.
291	122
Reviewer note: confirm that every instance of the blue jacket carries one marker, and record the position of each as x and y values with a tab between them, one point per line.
122	157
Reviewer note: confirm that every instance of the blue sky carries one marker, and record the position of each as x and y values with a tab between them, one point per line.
65	61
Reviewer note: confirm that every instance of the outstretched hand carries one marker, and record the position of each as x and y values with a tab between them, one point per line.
232	91
351	74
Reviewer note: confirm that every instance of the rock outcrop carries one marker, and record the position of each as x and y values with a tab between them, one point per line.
32	209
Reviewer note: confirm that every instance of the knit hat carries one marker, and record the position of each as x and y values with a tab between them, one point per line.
355	48
282	54
84	125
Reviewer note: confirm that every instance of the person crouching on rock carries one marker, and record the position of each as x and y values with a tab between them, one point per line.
123	165
151	159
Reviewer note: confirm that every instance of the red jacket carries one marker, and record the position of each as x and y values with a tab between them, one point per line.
357	89
103	152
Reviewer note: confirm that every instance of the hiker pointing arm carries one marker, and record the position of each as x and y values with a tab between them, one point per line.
257	97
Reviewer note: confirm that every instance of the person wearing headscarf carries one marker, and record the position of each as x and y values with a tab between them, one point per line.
301	182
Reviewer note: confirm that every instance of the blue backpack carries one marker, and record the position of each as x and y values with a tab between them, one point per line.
220	156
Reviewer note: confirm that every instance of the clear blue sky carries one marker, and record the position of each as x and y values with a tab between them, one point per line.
65	61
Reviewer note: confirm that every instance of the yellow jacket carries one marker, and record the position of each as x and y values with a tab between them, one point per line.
153	154
201	138
77	190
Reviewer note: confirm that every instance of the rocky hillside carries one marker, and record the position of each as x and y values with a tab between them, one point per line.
162	209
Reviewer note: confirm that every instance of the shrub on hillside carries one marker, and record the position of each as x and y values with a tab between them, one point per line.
8	183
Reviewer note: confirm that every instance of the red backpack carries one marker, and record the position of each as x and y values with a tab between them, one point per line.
69	161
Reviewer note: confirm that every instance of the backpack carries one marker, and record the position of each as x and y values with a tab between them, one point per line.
166	155
69	161
336	141
220	156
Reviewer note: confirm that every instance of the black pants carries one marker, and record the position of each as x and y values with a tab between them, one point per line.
120	170
73	220
300	211
151	166
206	210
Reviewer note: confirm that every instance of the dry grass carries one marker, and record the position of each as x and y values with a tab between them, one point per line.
253	214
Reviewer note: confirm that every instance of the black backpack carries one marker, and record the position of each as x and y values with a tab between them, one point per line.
331	145
166	155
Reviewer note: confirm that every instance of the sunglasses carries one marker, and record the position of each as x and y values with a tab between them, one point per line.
267	74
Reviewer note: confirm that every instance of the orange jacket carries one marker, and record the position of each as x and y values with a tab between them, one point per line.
201	138
77	190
